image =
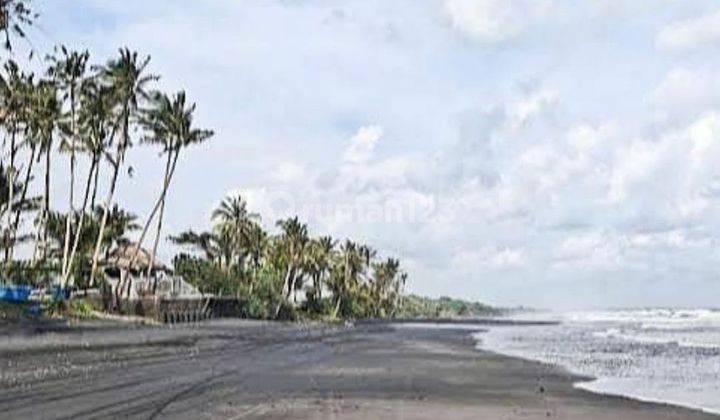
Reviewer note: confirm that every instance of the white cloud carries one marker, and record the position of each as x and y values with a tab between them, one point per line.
534	102
492	21
669	180
590	250
363	143
684	93
690	34
289	171
489	257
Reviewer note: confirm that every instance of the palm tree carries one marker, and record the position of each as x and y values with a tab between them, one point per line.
68	69
257	240
126	78
291	243
39	103
385	286
343	270
233	220
119	224
320	259
95	125
7	204
205	242
349	272
14	16
170	123
48	118
233	211
14	106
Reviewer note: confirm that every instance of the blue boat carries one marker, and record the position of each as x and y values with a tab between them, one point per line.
15	294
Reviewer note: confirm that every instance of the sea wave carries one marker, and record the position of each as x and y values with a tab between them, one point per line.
665	355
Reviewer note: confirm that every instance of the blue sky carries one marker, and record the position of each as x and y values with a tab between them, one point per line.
548	153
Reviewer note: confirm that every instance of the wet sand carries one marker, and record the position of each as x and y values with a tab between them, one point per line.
246	369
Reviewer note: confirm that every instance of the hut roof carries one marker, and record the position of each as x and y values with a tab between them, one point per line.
124	254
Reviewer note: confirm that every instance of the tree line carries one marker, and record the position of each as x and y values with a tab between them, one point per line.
272	272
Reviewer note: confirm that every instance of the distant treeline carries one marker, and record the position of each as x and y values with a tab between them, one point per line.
413	306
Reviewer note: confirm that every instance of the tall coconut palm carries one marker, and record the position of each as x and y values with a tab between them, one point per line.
291	243
257	240
233	211
8	202
68	69
95	124
14	106
385	285
321	252
233	219
48	118
127	79
343	270
33	115
169	122
349	271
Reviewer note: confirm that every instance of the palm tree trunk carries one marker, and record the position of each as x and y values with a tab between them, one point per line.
343	287
78	233
103	223
156	207
288	278
95	184
71	211
160	217
157	237
46	205
109	198
23	196
319	286
11	197
337	306
315	280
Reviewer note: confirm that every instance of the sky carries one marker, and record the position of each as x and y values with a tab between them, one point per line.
520	152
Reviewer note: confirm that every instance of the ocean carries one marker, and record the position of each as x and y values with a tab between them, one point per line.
660	355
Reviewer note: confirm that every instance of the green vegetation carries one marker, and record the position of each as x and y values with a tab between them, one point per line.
12	312
413	306
288	274
80	308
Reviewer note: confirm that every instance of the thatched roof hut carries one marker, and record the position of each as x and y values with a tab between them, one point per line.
122	257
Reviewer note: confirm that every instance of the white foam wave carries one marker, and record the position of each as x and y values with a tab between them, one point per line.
664	355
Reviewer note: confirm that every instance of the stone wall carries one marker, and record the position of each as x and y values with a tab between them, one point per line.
179	310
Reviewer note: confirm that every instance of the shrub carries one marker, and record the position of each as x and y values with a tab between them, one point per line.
80	308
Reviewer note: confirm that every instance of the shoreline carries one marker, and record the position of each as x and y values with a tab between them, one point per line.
256	369
579	385
581	379
585	381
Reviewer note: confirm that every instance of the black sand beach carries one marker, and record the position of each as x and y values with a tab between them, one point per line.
244	369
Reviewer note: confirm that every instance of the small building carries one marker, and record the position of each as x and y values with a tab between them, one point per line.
127	268
129	259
